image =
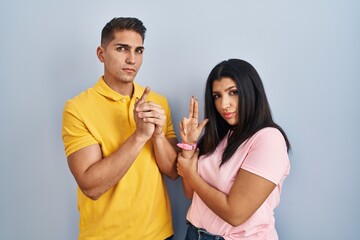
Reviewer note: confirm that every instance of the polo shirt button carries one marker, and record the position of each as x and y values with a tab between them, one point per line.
123	100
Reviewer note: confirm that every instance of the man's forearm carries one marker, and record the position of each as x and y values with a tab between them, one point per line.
165	155
105	173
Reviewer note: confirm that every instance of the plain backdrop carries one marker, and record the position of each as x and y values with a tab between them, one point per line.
307	53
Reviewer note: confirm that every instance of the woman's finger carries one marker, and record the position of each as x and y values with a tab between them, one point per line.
203	123
191	108
196	109
184	125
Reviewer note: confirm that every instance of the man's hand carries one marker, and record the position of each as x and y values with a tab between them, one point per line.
144	128
151	113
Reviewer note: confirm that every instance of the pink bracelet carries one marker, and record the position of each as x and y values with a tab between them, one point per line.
187	146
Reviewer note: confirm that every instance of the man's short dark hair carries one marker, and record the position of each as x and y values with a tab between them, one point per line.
119	24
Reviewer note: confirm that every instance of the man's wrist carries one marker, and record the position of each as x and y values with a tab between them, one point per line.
140	137
159	135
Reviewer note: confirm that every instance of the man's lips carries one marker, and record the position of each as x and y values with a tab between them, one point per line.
129	70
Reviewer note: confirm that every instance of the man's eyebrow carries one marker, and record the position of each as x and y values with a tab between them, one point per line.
122	45
127	46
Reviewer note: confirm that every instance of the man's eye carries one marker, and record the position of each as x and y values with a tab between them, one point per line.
120	49
140	51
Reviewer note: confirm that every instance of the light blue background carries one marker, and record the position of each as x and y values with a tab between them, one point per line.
307	53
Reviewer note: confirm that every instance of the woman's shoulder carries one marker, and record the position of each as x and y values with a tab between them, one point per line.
268	131
269	134
267	156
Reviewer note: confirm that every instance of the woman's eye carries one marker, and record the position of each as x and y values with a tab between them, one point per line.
216	96
234	92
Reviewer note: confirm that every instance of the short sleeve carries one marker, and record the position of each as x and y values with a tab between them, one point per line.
75	134
267	156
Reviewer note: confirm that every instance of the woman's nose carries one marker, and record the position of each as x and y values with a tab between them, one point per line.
225	103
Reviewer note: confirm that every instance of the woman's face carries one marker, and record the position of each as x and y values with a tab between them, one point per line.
226	98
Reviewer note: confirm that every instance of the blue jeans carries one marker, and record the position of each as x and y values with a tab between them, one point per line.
194	233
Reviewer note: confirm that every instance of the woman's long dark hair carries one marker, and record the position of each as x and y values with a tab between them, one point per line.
254	111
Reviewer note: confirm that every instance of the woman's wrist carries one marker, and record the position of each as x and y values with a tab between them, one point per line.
187	146
187	153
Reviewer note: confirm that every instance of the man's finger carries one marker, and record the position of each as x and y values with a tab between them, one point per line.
144	96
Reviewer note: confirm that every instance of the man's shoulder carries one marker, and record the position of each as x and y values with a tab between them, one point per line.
83	96
83	99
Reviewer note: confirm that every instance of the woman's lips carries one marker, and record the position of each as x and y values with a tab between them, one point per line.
228	115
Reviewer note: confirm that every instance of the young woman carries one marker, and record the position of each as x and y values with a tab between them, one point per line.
235	172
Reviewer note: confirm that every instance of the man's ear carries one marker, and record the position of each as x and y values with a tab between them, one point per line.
100	53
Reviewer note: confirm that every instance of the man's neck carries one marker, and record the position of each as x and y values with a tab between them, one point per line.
125	89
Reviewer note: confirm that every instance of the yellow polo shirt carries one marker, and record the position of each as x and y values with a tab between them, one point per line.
138	206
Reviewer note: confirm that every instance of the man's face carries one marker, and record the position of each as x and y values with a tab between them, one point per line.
122	57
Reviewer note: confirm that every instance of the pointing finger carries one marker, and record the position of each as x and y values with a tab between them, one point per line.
196	109
191	109
143	96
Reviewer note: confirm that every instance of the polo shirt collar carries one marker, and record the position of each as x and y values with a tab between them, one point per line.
138	91
102	88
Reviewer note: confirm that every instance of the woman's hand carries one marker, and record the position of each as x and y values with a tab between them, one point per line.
190	129
187	167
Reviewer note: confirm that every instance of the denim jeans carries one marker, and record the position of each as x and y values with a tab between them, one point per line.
194	233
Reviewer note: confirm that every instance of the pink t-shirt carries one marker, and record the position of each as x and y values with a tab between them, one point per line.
264	154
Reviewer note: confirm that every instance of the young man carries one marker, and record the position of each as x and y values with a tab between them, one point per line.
119	141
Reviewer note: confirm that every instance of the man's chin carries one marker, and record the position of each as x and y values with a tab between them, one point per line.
127	79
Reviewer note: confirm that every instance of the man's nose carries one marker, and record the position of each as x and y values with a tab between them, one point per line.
130	59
